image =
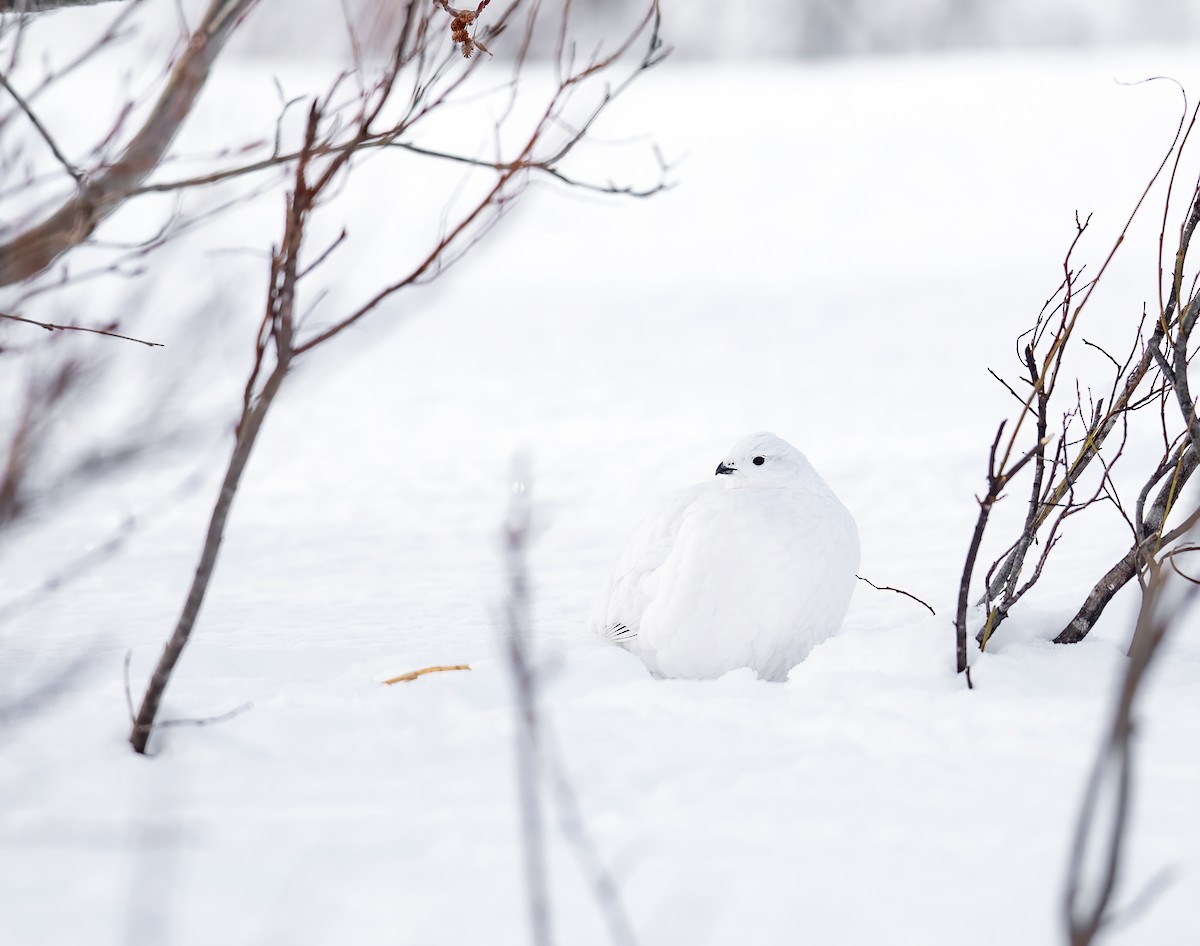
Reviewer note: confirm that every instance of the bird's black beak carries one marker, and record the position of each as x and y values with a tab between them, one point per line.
722	468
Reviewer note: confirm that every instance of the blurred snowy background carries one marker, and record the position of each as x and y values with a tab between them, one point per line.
854	237
787	29
813	29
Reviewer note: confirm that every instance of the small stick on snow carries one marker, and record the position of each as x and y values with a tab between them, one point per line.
899	591
407	677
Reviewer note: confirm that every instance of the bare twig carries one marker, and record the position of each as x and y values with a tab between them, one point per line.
413	674
510	179
899	591
1131	563
279	317
181	721
73	171
205	720
43	6
998	479
1009	388
52	327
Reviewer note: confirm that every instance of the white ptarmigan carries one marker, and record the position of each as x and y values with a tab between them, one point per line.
753	568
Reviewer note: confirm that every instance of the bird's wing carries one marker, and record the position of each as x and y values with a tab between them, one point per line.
633	582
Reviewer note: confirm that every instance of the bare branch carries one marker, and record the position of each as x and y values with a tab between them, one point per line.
111	34
31	252
280	307
43	6
997	480
1009	388
73	171
182	721
545	166
52	327
205	720
899	591
511	177
1131	563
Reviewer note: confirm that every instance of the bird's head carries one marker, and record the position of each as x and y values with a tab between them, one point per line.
764	460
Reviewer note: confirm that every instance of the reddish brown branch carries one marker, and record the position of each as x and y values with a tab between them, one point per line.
281	295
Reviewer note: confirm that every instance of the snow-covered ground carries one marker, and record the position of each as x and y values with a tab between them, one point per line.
849	247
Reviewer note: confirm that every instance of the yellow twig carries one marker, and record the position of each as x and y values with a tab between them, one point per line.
406	677
987	629
1170	504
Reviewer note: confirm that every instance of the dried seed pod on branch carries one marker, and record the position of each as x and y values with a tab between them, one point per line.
459	23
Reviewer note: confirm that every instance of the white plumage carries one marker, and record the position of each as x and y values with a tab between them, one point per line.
753	568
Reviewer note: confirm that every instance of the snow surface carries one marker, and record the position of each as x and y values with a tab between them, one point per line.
848	249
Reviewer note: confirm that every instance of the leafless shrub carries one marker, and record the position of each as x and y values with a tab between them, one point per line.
1072	441
415	82
384	104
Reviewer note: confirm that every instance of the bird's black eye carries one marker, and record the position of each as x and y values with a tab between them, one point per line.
759	461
